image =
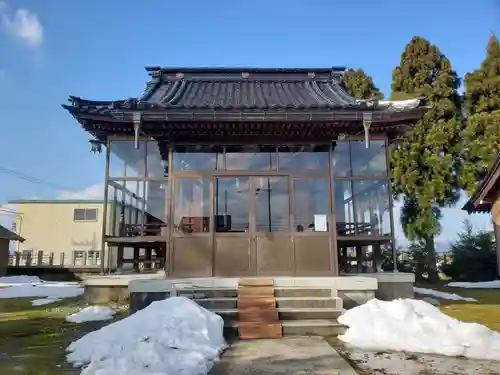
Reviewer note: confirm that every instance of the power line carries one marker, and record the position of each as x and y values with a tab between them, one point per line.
26	177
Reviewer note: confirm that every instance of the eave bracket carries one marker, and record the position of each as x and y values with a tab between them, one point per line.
367	121
137	118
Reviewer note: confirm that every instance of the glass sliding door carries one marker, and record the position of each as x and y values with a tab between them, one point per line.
312	226
192	253
271	225
233	253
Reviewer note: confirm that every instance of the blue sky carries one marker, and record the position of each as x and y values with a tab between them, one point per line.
97	49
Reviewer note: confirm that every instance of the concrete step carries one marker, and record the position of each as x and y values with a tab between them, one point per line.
278	292
281	302
305	327
305	292
312	327
231	315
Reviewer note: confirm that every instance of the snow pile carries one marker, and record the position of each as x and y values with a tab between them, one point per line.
91	314
10	280
173	336
32	286
416	326
442	295
400	104
495	284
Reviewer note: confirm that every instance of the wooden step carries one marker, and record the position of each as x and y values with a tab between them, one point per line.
257	313
256	291
261	303
255	282
251	330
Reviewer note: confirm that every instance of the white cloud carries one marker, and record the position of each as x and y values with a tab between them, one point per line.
22	24
95	191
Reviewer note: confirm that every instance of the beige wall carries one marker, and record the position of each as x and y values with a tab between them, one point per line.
50	227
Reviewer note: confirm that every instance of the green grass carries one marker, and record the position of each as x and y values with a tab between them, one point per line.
485	311
33	339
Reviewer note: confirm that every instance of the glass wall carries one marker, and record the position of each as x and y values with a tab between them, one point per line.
361	189
310	204
252	158
297	158
232	204
197	158
137	189
272	204
192	205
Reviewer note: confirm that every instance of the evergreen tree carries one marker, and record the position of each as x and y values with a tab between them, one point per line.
481	134
359	85
425	163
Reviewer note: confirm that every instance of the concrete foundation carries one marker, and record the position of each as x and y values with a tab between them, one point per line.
143	289
393	285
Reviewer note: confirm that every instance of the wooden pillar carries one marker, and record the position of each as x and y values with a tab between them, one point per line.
136	258
39	259
377	257
149	258
497	240
119	258
359	258
495	216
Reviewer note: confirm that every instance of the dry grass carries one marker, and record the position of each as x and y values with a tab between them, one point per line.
33	340
485	311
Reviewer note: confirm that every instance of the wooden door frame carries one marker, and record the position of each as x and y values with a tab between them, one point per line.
255	235
241	235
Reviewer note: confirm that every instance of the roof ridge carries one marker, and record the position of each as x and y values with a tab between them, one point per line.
242	69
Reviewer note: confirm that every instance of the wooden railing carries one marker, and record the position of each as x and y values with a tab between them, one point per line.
42	259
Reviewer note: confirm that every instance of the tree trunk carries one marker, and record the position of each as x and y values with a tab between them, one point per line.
432	271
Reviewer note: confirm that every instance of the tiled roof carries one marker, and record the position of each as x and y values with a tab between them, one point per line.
247	89
245	94
6	234
475	203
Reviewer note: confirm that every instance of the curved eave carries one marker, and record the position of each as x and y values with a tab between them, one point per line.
480	201
206	115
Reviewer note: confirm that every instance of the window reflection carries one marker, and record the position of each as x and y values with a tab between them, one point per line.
292	158
253	158
187	158
310	196
272	204
344	208
372	207
156	160
126	199
341	159
370	161
231	204
125	160
192	206
155	217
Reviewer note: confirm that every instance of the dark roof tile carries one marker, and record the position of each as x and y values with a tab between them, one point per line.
6	234
247	89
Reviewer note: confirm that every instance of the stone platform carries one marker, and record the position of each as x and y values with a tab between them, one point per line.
304	306
354	289
286	356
